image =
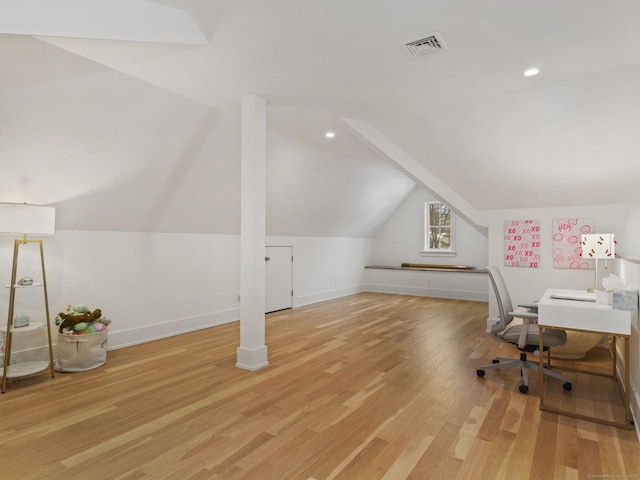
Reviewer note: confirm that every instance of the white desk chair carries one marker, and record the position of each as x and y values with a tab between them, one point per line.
525	336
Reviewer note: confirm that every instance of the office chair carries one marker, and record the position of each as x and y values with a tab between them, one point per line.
525	336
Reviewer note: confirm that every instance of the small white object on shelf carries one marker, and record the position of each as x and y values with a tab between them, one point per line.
21	320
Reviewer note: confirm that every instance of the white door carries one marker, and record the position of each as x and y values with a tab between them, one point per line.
279	278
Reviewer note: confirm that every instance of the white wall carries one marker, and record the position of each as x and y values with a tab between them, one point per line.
154	285
150	285
632	245
312	191
401	239
325	268
458	285
629	271
528	284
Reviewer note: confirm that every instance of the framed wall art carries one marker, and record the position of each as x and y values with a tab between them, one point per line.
567	233
522	243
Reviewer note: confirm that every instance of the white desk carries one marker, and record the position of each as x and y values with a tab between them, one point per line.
586	316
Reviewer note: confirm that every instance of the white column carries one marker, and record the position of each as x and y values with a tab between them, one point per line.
252	352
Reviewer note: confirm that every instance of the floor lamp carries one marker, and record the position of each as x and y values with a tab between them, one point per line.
598	246
24	219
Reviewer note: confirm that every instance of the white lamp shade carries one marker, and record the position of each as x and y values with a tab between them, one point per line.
598	245
25	219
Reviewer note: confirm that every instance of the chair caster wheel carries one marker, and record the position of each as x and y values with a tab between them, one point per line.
480	373
495	360
523	389
567	386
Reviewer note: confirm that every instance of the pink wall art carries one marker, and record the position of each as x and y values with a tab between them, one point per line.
567	233
522	243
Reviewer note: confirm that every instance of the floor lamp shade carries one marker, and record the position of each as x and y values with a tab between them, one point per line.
26	219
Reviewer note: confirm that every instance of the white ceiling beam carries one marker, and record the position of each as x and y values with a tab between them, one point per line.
132	20
379	143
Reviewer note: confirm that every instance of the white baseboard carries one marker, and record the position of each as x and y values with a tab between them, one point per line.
135	336
148	333
327	295
477	296
252	359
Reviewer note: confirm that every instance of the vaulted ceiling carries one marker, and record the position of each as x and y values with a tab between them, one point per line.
125	113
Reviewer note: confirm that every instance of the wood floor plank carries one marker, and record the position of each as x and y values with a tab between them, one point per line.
370	386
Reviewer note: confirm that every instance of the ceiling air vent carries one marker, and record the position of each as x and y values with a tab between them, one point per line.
427	45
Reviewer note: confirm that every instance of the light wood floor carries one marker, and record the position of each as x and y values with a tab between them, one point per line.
365	387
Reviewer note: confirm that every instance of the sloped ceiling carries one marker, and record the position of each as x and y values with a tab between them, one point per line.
144	135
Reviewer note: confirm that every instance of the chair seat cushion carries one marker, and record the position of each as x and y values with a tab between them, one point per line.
552	338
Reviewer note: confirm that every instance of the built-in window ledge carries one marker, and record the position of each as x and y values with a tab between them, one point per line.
628	259
436	253
430	268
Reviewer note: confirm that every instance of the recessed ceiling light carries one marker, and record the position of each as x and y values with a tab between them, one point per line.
531	72
329	135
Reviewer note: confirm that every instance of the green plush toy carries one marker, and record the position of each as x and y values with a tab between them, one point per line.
80	308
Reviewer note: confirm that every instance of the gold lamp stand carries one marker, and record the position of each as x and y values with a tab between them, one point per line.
27	368
595	282
597	246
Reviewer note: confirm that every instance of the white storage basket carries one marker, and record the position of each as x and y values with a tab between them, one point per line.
77	353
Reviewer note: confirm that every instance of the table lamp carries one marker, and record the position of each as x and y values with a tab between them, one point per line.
597	246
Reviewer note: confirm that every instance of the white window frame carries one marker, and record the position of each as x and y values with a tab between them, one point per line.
444	252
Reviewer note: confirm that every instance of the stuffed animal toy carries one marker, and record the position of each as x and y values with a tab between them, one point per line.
77	318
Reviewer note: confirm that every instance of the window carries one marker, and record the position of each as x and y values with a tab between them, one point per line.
439	229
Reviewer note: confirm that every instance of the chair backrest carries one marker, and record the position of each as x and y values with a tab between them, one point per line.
503	298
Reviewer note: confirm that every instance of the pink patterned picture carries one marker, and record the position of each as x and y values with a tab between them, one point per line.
522	243
566	243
